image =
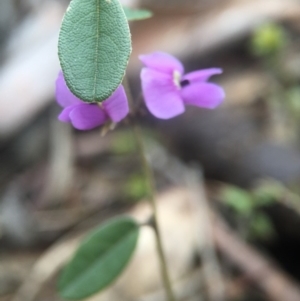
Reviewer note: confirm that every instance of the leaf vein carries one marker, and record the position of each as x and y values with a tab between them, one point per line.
97	47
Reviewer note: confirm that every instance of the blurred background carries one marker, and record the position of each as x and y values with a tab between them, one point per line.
228	180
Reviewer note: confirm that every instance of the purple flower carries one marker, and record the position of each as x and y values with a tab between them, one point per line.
85	116
167	90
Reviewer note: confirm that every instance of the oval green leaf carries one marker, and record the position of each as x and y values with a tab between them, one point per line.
94	47
136	14
100	259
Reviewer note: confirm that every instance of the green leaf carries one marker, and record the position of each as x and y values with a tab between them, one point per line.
268	192
268	39
100	259
238	199
123	143
136	14
262	227
94	47
135	188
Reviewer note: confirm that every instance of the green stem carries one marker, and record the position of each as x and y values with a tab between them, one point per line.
151	189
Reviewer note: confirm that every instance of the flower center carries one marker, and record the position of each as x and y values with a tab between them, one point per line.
176	78
184	83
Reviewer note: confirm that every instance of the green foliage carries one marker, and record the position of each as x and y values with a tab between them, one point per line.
261	227
267	193
247	208
136	14
238	199
268	39
293	100
136	187
94	48
123	143
100	259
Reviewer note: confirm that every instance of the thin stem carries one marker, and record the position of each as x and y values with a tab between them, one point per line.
151	189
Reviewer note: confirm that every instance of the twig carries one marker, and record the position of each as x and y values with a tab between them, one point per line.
211	269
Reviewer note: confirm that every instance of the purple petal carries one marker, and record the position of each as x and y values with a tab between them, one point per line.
64	116
203	95
87	116
161	96
162	62
64	96
116	106
201	75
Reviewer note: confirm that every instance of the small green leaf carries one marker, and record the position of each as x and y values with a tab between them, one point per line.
94	47
293	100
262	227
135	188
268	39
100	259
123	143
238	199
268	192
136	14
